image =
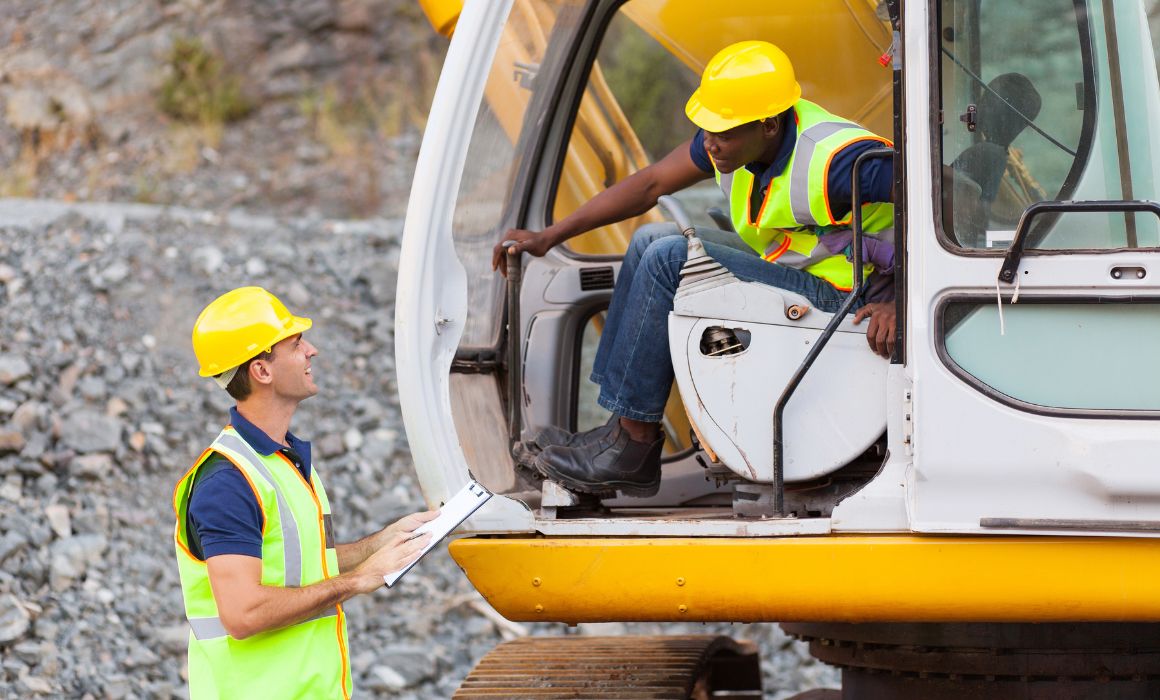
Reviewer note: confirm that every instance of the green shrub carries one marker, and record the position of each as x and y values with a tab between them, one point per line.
199	88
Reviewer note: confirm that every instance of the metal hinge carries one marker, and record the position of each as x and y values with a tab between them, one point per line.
475	362
908	421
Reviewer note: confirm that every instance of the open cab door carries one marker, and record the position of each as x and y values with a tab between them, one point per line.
541	105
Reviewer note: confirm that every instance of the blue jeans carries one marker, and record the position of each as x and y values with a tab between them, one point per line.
632	364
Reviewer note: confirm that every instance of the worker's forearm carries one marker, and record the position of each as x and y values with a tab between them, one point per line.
273	607
630	197
351	554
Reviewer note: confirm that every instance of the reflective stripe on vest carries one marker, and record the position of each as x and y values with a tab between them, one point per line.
796	203
291	546
307	659
204	628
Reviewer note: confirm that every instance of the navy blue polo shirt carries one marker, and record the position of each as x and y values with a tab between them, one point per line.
224	515
877	174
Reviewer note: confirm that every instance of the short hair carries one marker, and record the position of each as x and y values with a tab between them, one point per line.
239	387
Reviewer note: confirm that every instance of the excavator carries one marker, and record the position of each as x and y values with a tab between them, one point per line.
976	516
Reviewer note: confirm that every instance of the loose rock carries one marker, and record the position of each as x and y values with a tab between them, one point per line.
11	441
14	619
58	520
13	368
72	557
98	466
90	431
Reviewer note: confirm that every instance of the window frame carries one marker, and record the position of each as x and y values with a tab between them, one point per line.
1083	153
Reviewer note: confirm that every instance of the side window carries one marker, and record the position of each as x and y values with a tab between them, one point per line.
1015	104
1049	350
632	114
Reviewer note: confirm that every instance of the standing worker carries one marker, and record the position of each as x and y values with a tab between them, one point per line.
261	576
785	166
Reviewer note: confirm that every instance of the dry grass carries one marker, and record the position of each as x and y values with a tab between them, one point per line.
199	89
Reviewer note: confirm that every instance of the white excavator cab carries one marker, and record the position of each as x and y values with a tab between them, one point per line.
559	149
1022	396
985	505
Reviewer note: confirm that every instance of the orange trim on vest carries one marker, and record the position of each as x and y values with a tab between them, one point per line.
346	692
826	178
325	569
196	464
780	249
253	488
317	506
177	513
749	202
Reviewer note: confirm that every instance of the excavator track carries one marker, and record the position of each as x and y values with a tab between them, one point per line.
989	661
685	667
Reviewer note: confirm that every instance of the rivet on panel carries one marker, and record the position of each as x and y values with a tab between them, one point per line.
539	608
683	608
680	580
536	581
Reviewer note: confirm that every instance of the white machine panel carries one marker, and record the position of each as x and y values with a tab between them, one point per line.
838	411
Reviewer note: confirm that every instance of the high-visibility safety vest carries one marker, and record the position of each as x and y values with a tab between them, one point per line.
796	206
306	660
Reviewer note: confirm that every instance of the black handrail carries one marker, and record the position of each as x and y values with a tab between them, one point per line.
514	360
1015	250
856	291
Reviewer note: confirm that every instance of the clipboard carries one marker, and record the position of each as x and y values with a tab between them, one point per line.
451	514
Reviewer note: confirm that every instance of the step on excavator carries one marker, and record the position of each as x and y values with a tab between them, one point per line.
977	516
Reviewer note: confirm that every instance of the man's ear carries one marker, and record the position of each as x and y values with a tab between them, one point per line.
260	372
771	127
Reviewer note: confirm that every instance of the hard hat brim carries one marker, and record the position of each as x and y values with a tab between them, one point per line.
712	121
294	326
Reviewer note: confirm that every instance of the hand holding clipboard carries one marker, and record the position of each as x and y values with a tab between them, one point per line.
451	514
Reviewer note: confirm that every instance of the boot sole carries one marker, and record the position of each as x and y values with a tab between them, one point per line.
604	489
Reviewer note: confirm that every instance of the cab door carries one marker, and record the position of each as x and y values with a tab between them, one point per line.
1036	400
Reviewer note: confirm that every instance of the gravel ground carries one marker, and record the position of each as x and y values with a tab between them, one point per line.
101	411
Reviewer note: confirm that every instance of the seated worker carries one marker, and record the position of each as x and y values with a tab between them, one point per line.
785	166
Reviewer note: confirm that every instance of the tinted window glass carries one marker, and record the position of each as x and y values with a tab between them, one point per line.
1059	354
494	153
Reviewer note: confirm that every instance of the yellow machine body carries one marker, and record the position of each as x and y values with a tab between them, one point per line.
887	578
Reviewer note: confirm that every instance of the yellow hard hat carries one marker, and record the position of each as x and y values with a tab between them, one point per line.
239	325
743	83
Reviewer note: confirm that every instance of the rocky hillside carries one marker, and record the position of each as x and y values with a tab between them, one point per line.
291	107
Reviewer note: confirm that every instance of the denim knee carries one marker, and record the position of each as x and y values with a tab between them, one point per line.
648	234
665	256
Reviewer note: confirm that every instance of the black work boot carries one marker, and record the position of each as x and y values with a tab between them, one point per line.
525	453
602	467
552	436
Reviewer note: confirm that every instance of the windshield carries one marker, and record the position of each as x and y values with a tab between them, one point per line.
481	207
1067	111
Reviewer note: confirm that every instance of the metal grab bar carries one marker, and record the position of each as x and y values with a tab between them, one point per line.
515	275
856	291
1019	242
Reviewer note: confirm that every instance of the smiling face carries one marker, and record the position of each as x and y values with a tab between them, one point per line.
741	145
291	376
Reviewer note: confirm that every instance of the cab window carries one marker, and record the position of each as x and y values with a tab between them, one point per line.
1018	110
632	113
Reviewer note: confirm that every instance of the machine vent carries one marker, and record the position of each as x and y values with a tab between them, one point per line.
594	278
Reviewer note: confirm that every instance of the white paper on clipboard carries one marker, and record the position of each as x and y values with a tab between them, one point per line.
455	511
